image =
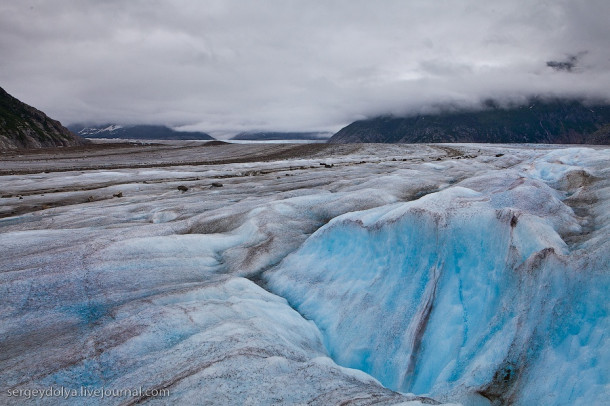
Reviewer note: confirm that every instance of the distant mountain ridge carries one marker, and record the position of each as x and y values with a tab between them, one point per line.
138	132
23	126
271	136
540	121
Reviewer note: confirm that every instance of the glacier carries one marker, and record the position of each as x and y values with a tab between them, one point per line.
401	274
468	291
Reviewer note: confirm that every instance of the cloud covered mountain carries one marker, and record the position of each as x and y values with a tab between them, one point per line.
230	66
548	122
138	132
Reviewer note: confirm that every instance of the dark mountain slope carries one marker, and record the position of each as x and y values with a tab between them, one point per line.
549	122
23	126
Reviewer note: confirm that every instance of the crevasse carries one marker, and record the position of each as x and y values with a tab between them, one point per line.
470	291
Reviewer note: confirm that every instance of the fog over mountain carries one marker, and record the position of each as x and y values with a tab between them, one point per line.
539	121
225	67
141	132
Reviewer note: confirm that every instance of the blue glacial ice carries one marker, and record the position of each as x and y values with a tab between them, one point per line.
306	286
470	291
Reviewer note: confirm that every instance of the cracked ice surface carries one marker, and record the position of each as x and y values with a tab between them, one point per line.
499	271
469	291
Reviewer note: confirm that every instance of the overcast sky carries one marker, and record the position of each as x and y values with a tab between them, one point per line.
227	66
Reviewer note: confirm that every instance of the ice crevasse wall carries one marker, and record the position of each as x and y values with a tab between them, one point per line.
492	288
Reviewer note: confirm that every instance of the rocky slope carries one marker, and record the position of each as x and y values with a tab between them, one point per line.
548	122
23	126
138	132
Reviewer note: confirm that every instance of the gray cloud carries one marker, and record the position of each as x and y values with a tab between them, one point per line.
229	66
568	64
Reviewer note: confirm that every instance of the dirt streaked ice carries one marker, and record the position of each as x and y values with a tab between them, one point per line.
307	273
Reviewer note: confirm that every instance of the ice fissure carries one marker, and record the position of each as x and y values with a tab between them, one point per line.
418	333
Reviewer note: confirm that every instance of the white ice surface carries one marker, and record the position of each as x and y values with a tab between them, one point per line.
150	289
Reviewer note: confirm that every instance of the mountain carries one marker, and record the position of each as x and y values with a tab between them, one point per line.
23	126
601	136
271	136
139	132
540	121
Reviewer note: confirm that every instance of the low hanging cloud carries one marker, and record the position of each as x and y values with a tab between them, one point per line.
293	65
568	64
